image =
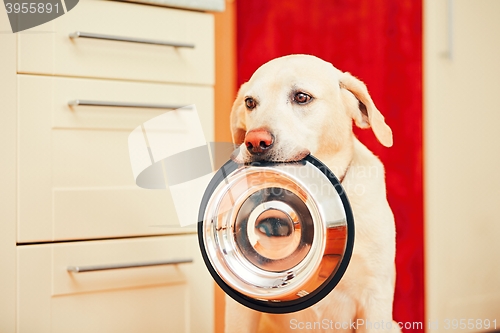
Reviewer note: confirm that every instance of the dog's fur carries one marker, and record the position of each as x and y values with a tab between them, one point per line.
323	127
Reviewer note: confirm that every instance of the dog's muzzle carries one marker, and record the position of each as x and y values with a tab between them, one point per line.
276	237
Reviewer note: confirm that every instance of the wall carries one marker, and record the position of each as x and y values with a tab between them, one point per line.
381	43
225	92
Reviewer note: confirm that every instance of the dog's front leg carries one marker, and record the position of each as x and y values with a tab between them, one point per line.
375	312
240	319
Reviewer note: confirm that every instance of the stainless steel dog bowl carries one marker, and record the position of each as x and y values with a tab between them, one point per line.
276	237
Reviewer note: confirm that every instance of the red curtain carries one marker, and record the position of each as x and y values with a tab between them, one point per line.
380	42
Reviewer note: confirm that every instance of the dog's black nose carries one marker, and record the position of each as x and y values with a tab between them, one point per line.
258	141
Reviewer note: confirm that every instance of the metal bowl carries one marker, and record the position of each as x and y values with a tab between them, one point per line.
276	237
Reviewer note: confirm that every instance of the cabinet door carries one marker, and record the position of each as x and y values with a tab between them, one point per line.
49	50
163	298
75	178
461	161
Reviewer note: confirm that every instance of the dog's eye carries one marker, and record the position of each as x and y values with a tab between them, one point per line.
250	103
302	98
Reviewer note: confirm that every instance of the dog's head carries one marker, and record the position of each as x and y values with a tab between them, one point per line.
300	104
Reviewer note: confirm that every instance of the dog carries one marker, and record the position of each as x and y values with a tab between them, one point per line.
298	105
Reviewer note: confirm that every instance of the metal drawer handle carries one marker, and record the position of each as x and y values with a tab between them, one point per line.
81	34
82	102
93	268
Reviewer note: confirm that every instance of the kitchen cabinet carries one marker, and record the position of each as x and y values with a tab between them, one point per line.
461	116
68	194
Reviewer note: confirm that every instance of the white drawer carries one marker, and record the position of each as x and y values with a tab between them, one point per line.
75	178
51	51
164	298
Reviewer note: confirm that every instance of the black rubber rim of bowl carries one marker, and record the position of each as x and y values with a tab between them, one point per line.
284	306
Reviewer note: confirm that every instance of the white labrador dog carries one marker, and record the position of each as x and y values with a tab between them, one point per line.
300	104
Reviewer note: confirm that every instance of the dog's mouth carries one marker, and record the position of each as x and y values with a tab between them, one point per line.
268	157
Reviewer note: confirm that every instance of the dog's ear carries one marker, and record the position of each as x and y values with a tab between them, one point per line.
237	118
366	115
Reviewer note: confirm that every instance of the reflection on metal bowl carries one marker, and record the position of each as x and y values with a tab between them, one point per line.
277	237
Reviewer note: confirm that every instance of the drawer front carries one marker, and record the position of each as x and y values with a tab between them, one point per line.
164	298
75	178
53	52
